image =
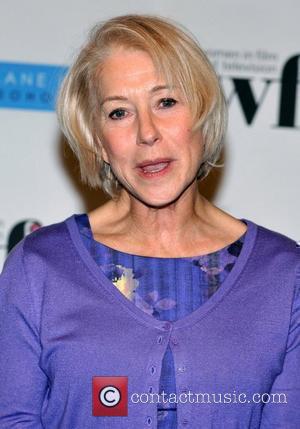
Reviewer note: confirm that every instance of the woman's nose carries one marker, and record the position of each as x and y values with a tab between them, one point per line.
148	132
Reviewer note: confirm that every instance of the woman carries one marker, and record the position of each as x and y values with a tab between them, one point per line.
158	284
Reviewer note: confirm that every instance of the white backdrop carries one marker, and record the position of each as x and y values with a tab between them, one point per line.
255	49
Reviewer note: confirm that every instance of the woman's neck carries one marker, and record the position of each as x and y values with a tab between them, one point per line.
188	227
168	222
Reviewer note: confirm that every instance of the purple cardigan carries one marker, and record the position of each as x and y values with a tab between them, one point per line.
62	322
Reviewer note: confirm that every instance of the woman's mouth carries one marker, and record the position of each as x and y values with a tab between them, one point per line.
155	168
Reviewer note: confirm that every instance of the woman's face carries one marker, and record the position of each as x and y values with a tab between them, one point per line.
146	130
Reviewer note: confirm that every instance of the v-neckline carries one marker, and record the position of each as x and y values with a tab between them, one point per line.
145	318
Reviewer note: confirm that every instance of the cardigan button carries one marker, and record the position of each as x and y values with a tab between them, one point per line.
181	368
167	326
184	422
159	339
149	420
174	341
152	369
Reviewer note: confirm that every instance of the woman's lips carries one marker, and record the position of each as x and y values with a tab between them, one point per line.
156	169
153	161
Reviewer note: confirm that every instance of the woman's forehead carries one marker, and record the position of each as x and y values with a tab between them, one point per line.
125	69
122	59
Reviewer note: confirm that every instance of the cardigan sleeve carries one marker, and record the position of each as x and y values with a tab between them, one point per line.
284	411
23	383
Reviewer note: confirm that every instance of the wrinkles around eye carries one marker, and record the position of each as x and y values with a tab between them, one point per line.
117	114
165	103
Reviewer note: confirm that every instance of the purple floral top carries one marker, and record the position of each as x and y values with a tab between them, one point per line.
166	288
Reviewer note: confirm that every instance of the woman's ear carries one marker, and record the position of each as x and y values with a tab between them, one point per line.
103	152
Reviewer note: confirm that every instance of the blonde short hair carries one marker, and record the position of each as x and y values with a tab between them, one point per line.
176	56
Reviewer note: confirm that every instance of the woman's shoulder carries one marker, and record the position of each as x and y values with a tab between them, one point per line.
267	236
48	234
42	243
275	246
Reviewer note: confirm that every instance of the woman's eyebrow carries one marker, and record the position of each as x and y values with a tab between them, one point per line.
112	98
160	87
121	98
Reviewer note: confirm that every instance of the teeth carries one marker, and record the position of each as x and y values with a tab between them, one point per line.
155	167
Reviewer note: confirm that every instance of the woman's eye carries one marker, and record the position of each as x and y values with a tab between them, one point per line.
117	114
167	102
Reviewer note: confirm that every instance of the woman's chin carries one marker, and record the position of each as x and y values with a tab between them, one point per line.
160	196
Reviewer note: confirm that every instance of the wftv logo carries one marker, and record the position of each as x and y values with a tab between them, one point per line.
288	94
110	396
